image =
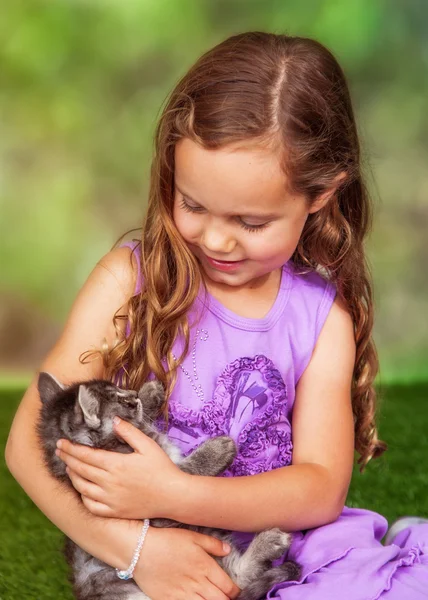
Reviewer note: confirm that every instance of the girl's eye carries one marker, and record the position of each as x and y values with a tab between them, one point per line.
244	225
249	227
190	208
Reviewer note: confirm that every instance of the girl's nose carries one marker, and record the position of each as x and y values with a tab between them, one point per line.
217	239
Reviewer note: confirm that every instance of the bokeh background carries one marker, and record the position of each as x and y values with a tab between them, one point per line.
82	83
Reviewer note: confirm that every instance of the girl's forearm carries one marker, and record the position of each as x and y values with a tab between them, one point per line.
293	498
97	535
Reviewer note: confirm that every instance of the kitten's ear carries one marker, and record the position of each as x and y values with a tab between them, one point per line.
90	407
48	386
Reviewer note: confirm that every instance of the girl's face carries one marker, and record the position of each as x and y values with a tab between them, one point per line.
231	208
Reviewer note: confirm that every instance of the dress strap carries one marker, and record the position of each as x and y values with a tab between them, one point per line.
135	246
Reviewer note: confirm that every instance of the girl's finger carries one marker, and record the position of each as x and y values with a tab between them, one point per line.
135	438
97	508
91	456
211	592
94	474
221	580
86	488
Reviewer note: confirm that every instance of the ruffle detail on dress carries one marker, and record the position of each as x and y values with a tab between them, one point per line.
305	574
412	557
250	404
354	585
365	570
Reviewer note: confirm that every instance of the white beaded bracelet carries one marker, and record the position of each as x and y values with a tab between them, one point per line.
128	574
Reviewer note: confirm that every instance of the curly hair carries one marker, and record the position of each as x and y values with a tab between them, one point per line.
290	95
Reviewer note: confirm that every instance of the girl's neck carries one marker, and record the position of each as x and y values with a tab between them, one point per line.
253	300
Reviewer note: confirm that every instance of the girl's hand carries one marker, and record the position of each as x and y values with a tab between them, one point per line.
175	564
144	484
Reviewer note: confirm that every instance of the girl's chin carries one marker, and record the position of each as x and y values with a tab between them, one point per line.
231	279
236	280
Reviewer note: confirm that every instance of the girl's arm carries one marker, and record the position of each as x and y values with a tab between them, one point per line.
312	491
108	287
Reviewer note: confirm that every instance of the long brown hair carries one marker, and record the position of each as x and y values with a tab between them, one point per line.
284	93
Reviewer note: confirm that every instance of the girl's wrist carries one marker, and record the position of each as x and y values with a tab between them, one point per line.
129	572
127	534
175	502
148	550
187	502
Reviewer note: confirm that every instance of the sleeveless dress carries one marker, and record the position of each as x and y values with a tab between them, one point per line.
239	379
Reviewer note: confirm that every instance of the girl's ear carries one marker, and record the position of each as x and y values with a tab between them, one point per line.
323	198
48	386
90	407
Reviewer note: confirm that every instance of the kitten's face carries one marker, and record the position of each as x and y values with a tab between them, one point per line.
96	405
84	412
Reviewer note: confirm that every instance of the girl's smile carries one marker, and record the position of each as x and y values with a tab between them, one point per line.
223	265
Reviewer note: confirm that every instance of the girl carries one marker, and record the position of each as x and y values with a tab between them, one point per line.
249	298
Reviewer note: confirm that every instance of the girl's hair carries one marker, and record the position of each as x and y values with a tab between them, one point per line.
289	95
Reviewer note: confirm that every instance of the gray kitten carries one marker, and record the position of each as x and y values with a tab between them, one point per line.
83	413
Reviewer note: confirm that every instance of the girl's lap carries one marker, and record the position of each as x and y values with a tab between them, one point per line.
407	583
402	579
367	570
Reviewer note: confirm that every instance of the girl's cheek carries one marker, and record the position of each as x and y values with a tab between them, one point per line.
189	226
272	247
266	244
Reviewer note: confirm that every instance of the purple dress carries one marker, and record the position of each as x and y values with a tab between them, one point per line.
239	379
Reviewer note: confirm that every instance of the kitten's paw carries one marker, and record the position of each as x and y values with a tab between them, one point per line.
223	449
273	542
212	457
152	396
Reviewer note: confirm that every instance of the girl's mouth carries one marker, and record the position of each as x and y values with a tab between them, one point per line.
224	265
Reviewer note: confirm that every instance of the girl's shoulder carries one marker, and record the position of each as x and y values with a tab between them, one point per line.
316	282
312	294
123	264
88	326
90	322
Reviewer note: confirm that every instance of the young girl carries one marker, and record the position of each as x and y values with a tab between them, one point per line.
250	299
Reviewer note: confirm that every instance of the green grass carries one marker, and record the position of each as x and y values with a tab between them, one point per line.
31	565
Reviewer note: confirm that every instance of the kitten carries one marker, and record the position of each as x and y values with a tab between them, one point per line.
83	413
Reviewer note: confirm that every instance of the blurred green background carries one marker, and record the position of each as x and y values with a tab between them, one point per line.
82	84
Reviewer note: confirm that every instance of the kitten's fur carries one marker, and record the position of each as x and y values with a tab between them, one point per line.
83	413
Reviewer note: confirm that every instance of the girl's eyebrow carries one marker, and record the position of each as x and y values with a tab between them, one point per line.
234	214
